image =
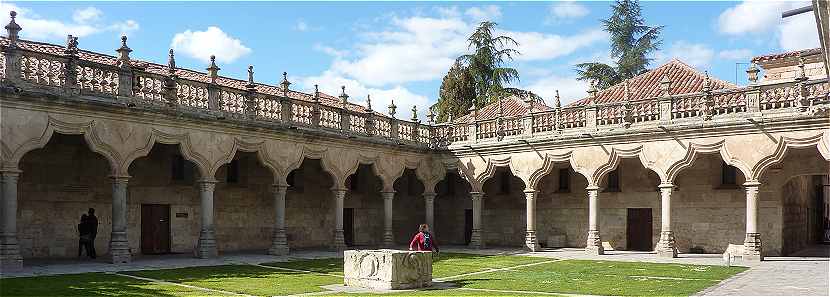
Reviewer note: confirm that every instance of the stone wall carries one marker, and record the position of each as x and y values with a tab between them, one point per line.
798	211
309	207
450	208
503	211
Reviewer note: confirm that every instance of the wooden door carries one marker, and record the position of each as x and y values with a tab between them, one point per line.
348	226
468	225
639	232
155	228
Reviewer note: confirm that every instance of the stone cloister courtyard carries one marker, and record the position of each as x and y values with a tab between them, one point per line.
671	182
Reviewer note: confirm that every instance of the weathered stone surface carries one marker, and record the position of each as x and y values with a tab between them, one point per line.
387	269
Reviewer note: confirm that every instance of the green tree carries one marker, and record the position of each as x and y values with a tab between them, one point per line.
456	94
480	77
631	43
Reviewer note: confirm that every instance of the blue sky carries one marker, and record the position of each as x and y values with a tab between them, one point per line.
401	50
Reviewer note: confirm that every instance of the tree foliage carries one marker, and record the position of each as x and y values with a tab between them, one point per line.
480	77
631	43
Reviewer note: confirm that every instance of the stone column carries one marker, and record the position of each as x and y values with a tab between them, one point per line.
666	246
752	243
531	243
207	237
594	242
119	243
9	249
279	242
476	241
388	199
429	210
339	197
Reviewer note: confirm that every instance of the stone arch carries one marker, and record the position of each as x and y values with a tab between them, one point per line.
185	147
617	154
784	144
260	148
696	149
492	166
53	126
548	163
390	174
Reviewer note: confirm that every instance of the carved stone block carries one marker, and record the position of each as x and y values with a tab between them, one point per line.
387	269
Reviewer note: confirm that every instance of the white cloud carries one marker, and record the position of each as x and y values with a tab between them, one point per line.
330	83
764	17
695	54
798	32
566	10
754	16
304	26
330	51
735	54
86	15
540	46
86	22
213	41
569	88
484	13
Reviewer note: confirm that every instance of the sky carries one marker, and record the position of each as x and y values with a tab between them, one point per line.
401	50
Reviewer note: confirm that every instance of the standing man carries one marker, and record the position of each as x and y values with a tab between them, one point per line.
92	225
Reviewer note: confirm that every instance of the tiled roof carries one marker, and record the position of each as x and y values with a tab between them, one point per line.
684	80
511	106
776	56
159	69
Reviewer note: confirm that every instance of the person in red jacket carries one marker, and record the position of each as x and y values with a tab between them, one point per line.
423	240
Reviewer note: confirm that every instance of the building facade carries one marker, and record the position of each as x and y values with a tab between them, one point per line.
181	161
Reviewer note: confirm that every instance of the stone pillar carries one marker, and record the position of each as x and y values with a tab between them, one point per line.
666	246
476	241
339	197
9	249
279	242
207	237
119	242
594	243
531	243
429	210
752	243
388	199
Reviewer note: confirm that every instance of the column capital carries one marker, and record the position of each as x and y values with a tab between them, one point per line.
10	172
530	194
388	195
117	179
752	183
476	195
431	195
666	186
592	188
279	187
206	185
339	192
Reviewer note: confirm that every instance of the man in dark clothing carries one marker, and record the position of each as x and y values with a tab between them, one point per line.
83	235
92	225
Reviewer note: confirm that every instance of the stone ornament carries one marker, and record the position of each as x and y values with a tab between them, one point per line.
387	269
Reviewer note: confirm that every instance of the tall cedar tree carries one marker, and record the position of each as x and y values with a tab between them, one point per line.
479	78
631	43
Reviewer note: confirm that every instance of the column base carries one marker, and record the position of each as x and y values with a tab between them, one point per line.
279	245
10	258
339	243
593	246
666	246
207	245
531	242
388	239
752	247
119	248
475	240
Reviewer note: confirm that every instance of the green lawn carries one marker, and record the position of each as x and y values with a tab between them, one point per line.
570	276
89	284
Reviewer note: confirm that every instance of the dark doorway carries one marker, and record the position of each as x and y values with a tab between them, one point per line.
638	235
348	226
155	228
468	225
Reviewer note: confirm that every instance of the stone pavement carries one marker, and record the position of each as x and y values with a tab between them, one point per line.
807	273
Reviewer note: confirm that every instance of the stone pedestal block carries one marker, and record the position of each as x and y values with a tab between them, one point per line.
387	269
666	247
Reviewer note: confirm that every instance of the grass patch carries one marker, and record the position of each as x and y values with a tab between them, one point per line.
244	279
604	278
325	265
451	264
90	284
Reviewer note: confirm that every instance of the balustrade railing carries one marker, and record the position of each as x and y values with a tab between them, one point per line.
148	86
